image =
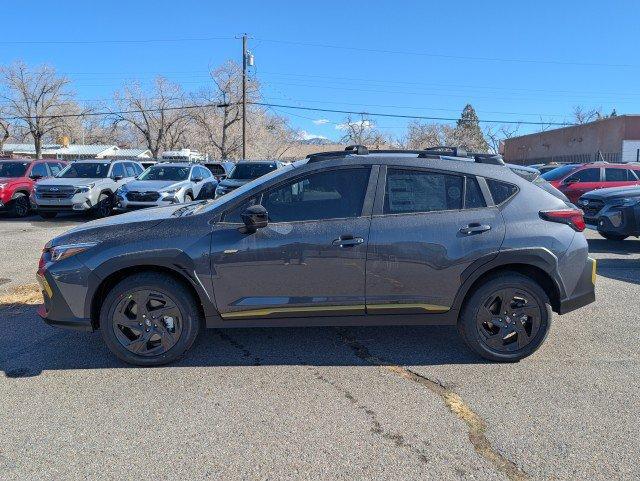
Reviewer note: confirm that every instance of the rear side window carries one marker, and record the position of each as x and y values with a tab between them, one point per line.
409	191
473	198
618	175
501	191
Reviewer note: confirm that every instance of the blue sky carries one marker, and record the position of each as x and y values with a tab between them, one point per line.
518	61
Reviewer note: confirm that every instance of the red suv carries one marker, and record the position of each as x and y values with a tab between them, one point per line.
17	178
573	180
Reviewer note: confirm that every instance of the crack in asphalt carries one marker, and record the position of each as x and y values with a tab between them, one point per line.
376	427
453	401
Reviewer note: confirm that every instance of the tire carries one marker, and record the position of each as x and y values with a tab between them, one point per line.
613	237
47	215
482	321
188	198
103	206
186	320
19	205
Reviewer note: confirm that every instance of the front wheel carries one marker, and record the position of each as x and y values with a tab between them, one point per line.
149	319
19	206
507	318
188	198
103	207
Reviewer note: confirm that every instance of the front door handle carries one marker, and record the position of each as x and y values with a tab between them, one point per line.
474	228
347	240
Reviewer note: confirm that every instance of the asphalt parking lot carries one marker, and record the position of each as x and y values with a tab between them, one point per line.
322	403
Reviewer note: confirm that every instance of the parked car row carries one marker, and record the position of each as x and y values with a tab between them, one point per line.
99	187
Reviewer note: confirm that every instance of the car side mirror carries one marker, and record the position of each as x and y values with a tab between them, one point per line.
572	180
197	179
35	177
254	217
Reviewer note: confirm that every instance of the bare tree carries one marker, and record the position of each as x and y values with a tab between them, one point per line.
421	136
5	126
156	116
270	136
38	99
498	134
582	116
218	121
361	132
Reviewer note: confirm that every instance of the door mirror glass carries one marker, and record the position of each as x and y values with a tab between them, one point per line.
197	179
572	180
254	218
35	176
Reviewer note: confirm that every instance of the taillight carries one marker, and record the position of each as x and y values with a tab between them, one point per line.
572	217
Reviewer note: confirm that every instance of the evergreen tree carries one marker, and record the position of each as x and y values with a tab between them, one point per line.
468	133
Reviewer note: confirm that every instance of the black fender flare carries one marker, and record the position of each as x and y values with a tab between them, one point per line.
538	257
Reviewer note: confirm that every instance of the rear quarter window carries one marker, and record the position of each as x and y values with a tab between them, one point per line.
501	191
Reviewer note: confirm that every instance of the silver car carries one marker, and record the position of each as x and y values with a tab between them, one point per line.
167	183
84	186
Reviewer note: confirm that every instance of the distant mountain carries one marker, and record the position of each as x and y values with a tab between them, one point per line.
316	141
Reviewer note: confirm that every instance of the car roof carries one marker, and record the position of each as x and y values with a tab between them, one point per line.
174	164
258	162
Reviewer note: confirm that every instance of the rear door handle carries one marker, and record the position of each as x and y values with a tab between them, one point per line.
475	228
347	240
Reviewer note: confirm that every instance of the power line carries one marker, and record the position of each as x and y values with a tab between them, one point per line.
284	106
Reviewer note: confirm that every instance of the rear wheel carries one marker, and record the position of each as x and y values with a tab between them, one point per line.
103	207
19	205
507	318
47	215
613	237
149	319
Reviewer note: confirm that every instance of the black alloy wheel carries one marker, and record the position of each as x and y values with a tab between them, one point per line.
147	323
20	206
508	320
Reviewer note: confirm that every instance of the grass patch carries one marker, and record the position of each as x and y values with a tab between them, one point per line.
19	297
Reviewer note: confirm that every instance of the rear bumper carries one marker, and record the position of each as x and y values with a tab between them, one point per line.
619	221
584	292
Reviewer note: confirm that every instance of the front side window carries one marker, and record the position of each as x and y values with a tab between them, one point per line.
39	170
159	172
586	175
78	170
409	191
335	194
55	168
118	171
130	169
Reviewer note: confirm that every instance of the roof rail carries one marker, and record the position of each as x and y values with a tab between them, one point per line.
494	159
357	149
350	150
445	150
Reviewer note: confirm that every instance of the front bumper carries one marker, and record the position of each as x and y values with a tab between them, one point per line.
56	311
77	203
123	204
584	292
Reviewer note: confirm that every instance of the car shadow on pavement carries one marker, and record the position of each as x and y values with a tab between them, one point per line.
31	347
605	246
627	270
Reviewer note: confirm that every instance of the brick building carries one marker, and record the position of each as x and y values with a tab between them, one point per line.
614	139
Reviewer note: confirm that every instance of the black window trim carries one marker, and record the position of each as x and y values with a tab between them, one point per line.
378	209
367	204
508	199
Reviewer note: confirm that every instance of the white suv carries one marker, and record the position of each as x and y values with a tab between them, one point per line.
84	186
167	183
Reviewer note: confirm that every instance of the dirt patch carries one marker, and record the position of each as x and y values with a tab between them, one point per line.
17	298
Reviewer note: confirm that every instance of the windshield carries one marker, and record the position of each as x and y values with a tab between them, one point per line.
173	173
251	171
13	169
78	170
559	173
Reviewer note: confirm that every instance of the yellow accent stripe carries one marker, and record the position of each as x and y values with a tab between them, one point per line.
282	310
593	271
424	307
45	285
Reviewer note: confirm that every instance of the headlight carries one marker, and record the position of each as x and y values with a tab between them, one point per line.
83	188
169	192
67	250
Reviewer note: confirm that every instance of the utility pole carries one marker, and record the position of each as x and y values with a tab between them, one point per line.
244	96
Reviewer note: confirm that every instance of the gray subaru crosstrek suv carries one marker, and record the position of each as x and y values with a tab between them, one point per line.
345	238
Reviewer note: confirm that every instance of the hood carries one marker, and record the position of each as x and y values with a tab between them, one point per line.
116	226
613	193
71	181
6	180
234	182
154	185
